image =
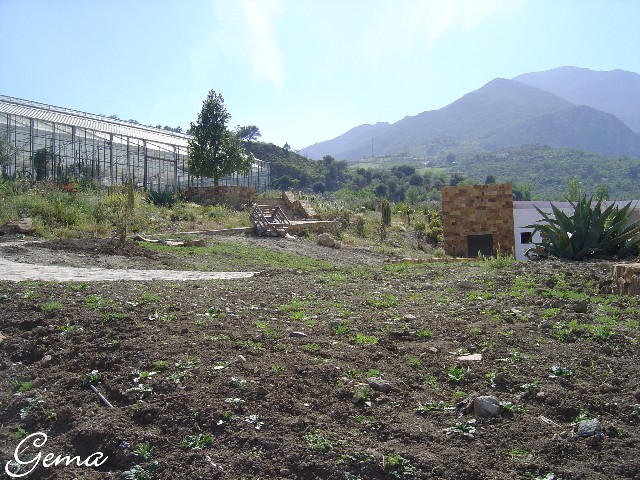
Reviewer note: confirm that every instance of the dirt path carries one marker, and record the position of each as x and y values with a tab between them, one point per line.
19	271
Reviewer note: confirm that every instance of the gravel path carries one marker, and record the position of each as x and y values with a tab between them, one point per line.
19	271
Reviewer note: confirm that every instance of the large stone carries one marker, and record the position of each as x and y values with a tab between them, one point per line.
589	428
378	384
325	240
486	406
24	225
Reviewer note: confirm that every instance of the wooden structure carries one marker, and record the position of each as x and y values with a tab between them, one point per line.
269	220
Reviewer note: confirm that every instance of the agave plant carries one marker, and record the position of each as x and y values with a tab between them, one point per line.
589	232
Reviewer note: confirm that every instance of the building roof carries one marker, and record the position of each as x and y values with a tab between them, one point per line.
544	204
66	116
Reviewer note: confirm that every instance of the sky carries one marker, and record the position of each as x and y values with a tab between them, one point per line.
302	71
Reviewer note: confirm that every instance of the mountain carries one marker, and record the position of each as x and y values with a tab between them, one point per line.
502	113
615	91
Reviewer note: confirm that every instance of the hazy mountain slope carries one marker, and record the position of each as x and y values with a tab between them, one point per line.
616	91
499	103
355	143
580	127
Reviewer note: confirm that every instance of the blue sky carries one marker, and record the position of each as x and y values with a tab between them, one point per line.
303	71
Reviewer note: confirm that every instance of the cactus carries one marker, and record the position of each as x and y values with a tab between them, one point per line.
385	207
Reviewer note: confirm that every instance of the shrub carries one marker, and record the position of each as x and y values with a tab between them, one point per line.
589	231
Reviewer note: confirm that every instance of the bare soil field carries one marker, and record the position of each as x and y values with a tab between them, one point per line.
328	364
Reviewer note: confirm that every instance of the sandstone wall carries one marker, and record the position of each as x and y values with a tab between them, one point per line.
477	210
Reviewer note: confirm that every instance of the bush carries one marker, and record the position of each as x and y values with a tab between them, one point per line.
161	199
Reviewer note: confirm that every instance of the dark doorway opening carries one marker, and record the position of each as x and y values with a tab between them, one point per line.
480	245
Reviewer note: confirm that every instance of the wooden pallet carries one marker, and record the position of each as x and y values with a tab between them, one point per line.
269	220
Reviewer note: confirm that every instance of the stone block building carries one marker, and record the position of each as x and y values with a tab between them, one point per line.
478	219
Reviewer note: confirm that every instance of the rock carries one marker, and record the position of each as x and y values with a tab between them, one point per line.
46	360
378	384
297	335
24	225
2	338
589	428
325	240
466	284
581	306
241	359
432	349
472	357
486	406
410	316
285	472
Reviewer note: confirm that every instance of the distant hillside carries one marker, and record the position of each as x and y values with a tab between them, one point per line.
501	114
616	91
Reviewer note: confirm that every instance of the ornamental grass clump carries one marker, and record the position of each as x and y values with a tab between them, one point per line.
589	232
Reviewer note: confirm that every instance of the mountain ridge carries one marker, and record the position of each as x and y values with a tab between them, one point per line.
502	113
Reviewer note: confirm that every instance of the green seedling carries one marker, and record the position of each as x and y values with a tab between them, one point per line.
160	365
22	385
51	307
318	441
362	339
312	347
238	382
197	442
373	372
139	472
31	404
424	408
362	395
455	373
385	301
519	454
562	372
143	451
466	429
92	378
430	380
424	334
398	466
512	408
414	362
254	420
226	417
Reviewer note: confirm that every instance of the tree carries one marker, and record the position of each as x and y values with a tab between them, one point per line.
573	190
490	179
602	192
248	133
214	151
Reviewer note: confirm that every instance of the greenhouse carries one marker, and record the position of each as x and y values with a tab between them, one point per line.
44	142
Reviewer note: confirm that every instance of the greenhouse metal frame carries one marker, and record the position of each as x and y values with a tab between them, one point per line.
58	144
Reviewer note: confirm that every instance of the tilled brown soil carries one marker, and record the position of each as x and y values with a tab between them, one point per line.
209	374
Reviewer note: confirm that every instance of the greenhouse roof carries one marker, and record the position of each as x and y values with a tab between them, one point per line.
66	116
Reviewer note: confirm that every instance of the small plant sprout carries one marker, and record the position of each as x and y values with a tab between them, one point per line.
238	382
197	442
22	385
51	307
490	378
512	408
560	372
427	407
254	420
143	451
139	472
160	365
455	373
466	429
425	334
520	455
225	417
414	362
362	395
235	402
398	466
318	441
92	378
